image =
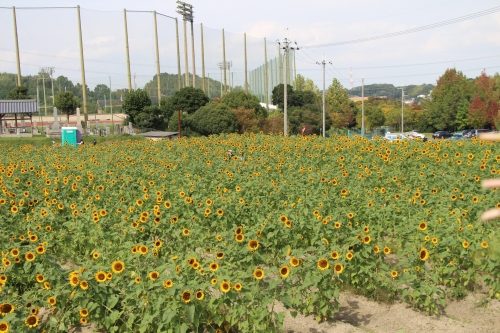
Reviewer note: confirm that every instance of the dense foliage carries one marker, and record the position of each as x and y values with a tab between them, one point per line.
187	100
215	118
67	103
19	92
239	98
174	236
135	102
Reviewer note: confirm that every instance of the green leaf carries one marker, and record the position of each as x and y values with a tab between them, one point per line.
114	316
287	300
190	311
112	301
293	314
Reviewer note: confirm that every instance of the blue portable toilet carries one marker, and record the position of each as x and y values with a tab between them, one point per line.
69	136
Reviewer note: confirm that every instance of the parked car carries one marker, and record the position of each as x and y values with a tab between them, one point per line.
457	136
442	135
475	132
395	136
414	134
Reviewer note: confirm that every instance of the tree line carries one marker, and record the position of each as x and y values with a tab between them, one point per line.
455	103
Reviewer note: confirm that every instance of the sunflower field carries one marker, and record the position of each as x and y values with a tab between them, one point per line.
176	236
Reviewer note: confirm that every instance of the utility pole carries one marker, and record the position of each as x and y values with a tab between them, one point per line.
294	68
129	76
285	46
158	80
208	86
43	72
179	82
246	69
224	60
186	10
202	59
82	68
18	62
266	78
220	67
402	108
192	48
223	66
363	106
111	106
323	64
229	64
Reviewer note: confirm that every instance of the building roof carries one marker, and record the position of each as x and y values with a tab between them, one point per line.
18	106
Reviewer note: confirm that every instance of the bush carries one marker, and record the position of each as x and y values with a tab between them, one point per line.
237	99
215	118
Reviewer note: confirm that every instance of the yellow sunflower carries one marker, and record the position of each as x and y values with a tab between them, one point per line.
258	273
186	296
31	321
294	262
424	254
168	284
338	268
284	271
323	264
118	266
225	286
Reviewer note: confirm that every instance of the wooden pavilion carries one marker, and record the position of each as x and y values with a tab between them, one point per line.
9	111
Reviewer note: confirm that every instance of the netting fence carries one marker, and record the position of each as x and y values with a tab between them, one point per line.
120	52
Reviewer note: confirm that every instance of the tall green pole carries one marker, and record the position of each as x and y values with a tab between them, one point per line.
82	68
158	80
179	81
202	59
18	62
246	68
129	77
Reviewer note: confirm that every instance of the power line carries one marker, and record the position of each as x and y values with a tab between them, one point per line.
421	64
410	31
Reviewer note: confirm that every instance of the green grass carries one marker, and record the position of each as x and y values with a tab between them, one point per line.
42	140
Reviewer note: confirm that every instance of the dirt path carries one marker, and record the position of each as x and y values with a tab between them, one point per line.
476	313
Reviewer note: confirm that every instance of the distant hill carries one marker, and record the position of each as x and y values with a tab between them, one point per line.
169	85
391	91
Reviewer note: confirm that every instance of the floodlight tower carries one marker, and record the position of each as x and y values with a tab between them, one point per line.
186	10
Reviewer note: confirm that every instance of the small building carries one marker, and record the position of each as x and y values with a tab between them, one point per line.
158	135
10	111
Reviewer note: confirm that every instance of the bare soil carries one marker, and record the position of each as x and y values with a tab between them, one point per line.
476	313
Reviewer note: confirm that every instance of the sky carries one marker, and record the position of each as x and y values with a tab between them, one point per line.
49	38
